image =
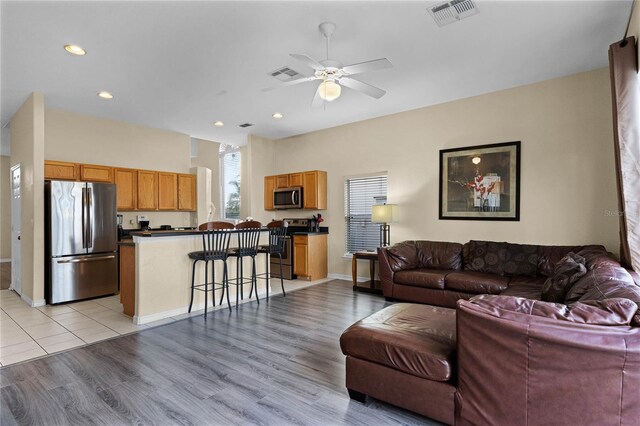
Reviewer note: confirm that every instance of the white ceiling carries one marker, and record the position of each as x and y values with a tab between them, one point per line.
182	65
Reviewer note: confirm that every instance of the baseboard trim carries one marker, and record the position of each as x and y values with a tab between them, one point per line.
347	277
33	303
5	260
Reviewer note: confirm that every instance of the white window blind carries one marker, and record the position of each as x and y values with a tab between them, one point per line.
359	195
230	182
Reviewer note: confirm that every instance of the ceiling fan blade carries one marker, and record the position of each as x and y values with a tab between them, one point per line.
365	88
375	65
310	62
289	83
317	100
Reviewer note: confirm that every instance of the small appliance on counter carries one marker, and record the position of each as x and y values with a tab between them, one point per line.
144	222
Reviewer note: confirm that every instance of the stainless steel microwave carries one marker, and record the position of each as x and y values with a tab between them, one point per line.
287	198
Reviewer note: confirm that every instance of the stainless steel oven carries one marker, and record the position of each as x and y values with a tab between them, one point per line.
288	198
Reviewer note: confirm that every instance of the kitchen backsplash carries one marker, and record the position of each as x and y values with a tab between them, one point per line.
156	219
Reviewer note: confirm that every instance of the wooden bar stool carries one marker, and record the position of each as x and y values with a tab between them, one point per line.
277	235
248	235
215	246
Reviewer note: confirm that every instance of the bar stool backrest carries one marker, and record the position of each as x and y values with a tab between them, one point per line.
216	239
248	236
277	234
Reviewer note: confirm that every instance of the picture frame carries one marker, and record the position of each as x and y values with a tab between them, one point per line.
480	182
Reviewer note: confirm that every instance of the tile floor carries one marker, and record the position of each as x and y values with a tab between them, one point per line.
27	333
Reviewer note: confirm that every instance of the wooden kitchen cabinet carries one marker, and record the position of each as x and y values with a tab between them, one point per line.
282	181
269	186
186	192
295	179
314	190
126	181
94	173
61	170
167	191
147	192
310	256
128	278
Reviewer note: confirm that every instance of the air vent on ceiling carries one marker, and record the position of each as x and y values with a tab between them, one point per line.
285	74
245	125
452	11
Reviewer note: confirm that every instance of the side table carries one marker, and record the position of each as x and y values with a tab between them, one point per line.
372	257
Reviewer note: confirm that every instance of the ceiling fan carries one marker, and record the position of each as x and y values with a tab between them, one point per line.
333	75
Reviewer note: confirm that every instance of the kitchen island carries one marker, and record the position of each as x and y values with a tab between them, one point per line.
163	273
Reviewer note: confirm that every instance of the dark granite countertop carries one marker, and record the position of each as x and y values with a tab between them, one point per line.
310	233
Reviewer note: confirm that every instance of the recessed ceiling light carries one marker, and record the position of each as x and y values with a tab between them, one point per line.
105	95
75	49
218	124
277	115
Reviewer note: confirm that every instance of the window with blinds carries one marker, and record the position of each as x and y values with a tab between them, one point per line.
230	181
360	193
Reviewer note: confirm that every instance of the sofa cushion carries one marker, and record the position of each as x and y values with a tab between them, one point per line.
484	256
439	255
548	256
429	278
417	339
606	283
476	282
614	311
529	287
521	260
402	256
566	272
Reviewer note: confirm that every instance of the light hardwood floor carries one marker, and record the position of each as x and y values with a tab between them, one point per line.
275	363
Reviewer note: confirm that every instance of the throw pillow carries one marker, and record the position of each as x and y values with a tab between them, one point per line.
484	256
521	259
566	272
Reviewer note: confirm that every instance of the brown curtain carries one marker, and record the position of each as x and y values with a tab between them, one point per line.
625	87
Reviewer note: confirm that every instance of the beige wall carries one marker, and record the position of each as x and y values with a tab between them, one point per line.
567	181
260	153
85	139
209	157
27	148
5	209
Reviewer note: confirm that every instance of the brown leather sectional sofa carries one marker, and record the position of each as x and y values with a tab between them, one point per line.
504	356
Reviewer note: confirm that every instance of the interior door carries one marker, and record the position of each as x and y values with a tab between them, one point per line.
102	222
16	211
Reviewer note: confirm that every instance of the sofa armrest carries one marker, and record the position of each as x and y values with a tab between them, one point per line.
528	362
386	273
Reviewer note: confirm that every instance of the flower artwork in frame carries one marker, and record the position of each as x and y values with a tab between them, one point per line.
480	182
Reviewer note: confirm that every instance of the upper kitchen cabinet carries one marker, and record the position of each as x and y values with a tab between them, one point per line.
167	191
295	179
314	190
269	186
61	170
282	181
126	181
147	190
93	173
186	192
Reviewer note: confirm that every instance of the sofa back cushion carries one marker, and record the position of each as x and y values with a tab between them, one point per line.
595	256
403	256
439	255
484	256
566	272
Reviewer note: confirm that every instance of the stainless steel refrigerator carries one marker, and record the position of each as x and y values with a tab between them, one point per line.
80	240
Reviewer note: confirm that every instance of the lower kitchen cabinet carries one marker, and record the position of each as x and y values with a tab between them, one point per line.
128	278
310	256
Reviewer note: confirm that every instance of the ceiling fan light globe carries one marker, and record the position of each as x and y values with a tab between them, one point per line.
329	90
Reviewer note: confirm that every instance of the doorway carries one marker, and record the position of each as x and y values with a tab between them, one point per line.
16	211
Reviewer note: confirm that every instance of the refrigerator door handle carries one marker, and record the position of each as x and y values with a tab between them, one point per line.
84	218
88	259
89	224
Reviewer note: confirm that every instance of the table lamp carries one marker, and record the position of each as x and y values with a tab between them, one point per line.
384	214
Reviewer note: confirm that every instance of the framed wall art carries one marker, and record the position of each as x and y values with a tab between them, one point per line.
480	182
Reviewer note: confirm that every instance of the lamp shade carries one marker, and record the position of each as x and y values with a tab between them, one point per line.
384	213
329	90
